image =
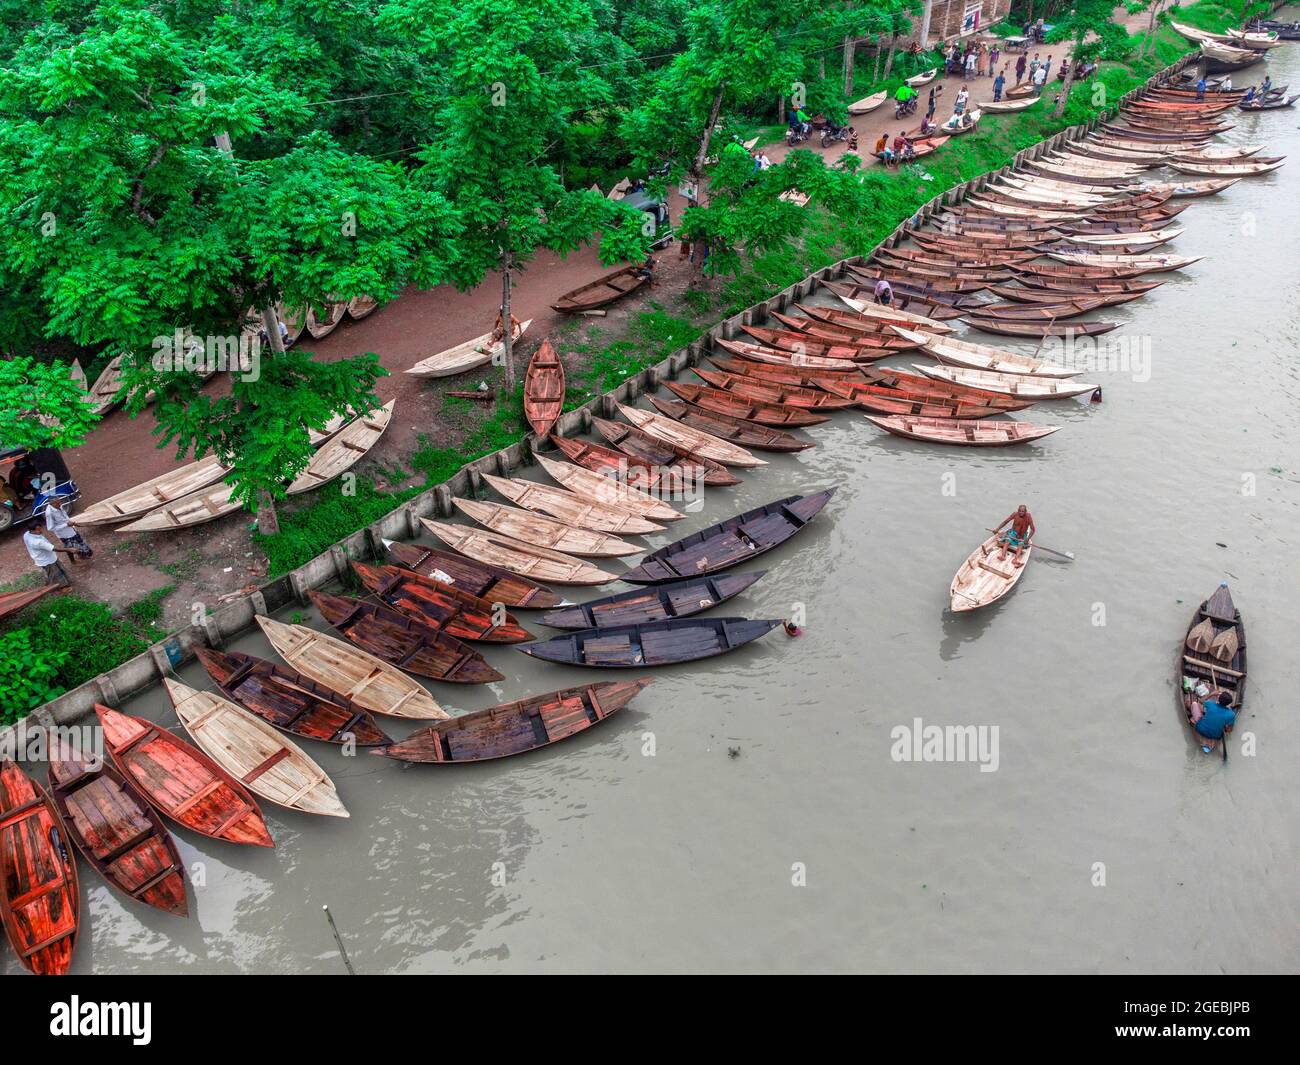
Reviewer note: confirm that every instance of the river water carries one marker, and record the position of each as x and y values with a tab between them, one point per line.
745	813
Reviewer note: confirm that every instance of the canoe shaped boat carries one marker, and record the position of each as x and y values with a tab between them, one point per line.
656	643
802	343
985	578
39	899
963	431
117	832
1004	106
1003	327
491	583
603	291
901	382
643	447
730	542
181	781
778	357
787	375
345	449
1213	654
12	602
1009	384
403	641
673	479
368	681
986	357
515	727
361	306
698	441
444	606
1051	283
323	324
143	498
571	508
661	602
542	531
875	324
1061	310
861	299
1245	169
756	411
733	430
544	389
601	489
911	282
923	78
207	504
289	700
465	356
1143	264
868	103
883	400
246	747
537	563
1049	297
770	392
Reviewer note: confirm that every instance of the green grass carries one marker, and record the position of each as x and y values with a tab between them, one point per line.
653	336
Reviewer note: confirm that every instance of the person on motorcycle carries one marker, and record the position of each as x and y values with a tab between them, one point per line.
905	93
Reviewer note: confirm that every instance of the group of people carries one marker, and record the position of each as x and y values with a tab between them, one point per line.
68	541
972	59
901	150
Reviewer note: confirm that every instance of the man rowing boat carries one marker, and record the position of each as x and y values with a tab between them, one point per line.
1018	536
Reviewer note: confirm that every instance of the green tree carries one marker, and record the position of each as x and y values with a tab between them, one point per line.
1088	29
41	406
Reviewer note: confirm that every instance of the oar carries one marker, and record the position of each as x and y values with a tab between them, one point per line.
1223	740
1051	551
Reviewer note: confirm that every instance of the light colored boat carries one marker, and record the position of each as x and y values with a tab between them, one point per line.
893	315
319	327
368	681
600	489
868	103
697	441
265	761
344	450
1152	237
1147	264
571	508
964	432
985	356
103	393
78	375
544	531
997	107
1008	384
1192	188
361	306
536	563
1242	169
469	355
924	78
984	578
1024	210
778	356
141	499
207	504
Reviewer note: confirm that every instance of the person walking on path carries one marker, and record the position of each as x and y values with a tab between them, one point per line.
1020	69
58	522
972	61
999	83
994	56
929	111
46	557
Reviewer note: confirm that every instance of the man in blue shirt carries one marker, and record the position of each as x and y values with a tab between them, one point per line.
1217	717
998	84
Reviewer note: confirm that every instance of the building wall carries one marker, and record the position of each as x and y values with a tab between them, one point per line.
955	18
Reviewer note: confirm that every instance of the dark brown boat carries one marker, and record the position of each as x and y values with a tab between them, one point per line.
840	334
639	445
1033	311
881	400
516	727
656	643
479	579
1076	273
661	602
863	348
671	478
444	606
1029	296
943	273
977	260
289	700
725	427
718	402
544	389
1213	652
403	641
786	375
119	834
603	291
1003	327
770	391
1103	286
918	284
853	323
730	542
961	240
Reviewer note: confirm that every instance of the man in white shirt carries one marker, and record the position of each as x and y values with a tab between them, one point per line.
43	554
58	522
1040	77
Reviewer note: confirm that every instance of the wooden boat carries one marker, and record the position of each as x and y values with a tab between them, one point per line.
322	325
444	606
368	681
544	389
39	898
600	489
400	640
1222	153
103	394
12	602
696	440
515	727
984	357
538	563
1052	286
733	430
901	382
957	124
1008	384
1003	106
571	508
882	399
1041	312
1259	41
1028	296
966	258
931	289
913	272
661	602
344	450
859	348
936	268
1012	328
361	306
784	357
1193	188
655	643
786	375
207	504
290	701
1141	264
924	78
893	315
179	780
1148	239
492	583
730	542
1271	104
673	479
870	334
117	832
720	402
1018	209
868	103
962	242
1246	169
1213	653
641	446
984	578
770	392
465	356
78	375
1227	54
603	291
544	531
1073	274
143	498
962	431
269	765
1021	92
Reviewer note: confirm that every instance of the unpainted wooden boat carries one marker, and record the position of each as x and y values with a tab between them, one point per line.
1005	106
344	450
598	489
322	325
961	241
543	531
544	389
781	357
985	357
1061	310
858	297
411	644
444	606
103	394
207	504
361	306
881	399
1013	328
673	479
12	602
39	898
786	375
858	321
289	700
730	542
924	78
661	602
1213	653
368	681
697	441
1245	169
1020	294
465	356
963	431
822	331
1018	385
760	413
603	291
643	447
117	832
179	780
985	578
515	727
1053	285
862	348
730	429
656	643
571	508
492	583
537	563
1193	188
911	282
1142	264
868	103
898	381
167	488
78	374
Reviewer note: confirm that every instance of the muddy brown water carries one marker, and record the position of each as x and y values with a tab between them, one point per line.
745	813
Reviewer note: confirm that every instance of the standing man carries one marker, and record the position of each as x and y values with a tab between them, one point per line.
1020	68
1040	77
1200	89
44	555
994	56
58	522
999	83
929	111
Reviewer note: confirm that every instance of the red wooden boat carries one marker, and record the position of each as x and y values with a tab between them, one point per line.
445	606
544	389
927	284
727	427
771	391
12	602
181	781
640	446
917	385
672	477
480	579
39	900
804	343
119	833
719	402
786	375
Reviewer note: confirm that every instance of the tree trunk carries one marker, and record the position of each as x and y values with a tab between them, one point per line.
925	24
696	172
1151	29
1070	63
268	521
875	71
889	62
780	109
508	344
821	67
848	65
